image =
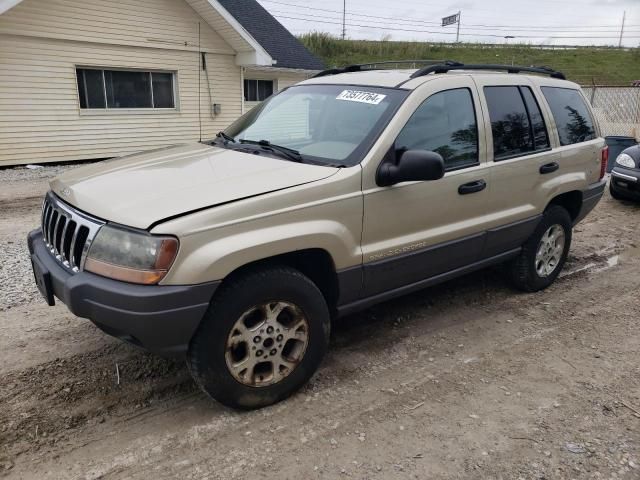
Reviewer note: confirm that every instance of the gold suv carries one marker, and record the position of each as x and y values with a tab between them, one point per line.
345	190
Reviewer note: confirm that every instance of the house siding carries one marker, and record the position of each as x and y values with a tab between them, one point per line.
42	42
146	23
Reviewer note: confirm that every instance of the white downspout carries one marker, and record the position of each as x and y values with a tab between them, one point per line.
242	90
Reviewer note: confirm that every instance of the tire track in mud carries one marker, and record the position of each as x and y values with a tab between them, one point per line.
47	404
63	396
407	382
16	207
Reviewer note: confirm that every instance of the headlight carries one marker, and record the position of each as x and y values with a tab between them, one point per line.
131	256
625	160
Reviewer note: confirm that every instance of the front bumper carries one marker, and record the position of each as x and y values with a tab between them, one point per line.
626	181
158	318
590	198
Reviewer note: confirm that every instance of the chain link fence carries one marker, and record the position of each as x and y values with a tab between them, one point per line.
616	108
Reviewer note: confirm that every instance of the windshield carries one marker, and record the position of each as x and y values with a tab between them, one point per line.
330	124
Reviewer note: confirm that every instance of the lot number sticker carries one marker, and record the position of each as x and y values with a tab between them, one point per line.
360	96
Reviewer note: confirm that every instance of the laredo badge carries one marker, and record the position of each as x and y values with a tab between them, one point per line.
361	96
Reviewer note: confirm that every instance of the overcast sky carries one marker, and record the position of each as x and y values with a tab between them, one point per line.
530	21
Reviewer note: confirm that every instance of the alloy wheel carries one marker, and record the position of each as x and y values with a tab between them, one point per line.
550	250
267	343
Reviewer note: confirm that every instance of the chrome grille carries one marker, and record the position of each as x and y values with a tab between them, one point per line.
67	232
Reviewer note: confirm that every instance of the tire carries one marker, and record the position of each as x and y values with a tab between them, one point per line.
245	354
525	270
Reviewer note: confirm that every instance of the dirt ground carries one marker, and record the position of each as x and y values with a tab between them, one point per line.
466	380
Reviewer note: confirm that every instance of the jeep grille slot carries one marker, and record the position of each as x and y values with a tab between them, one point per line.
67	232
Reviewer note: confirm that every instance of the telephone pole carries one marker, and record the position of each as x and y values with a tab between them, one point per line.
344	19
624	14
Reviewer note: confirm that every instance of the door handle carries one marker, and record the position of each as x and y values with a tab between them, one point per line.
549	167
472	187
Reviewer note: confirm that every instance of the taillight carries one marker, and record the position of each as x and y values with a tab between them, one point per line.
604	159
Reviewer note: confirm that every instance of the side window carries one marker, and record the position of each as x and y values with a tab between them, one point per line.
445	123
517	124
509	122
572	117
540	136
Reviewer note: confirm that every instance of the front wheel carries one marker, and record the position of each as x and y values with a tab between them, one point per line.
543	255
263	336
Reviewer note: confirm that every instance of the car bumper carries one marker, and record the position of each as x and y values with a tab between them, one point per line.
626	181
590	198
158	318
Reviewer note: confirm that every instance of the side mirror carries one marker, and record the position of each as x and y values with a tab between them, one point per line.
412	166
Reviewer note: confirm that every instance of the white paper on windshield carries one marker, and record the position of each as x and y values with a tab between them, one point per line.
361	96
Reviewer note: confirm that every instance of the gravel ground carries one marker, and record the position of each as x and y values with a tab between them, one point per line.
23	189
31	175
465	380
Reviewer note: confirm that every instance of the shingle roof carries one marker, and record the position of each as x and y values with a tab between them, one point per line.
274	38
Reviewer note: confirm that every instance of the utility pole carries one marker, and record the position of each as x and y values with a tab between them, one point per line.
624	14
344	19
458	31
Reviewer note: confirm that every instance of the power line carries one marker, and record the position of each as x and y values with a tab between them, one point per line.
387	18
506	29
426	22
316	20
520	13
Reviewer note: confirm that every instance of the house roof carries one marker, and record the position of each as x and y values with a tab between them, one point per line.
281	45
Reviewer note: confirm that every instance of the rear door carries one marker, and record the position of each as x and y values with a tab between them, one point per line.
542	143
520	158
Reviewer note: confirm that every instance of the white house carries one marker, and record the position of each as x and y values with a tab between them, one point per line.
88	79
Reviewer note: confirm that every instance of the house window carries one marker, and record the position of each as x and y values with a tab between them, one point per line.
125	89
257	90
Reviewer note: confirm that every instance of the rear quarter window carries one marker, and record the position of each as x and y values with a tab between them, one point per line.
570	112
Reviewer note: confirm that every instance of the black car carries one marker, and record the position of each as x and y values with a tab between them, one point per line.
625	176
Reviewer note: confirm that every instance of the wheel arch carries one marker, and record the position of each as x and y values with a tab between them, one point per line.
315	263
571	201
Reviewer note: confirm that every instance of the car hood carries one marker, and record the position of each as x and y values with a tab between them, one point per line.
142	189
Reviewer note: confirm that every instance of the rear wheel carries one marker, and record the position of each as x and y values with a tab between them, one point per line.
544	253
262	338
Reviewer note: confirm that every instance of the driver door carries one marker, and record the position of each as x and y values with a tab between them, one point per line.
413	231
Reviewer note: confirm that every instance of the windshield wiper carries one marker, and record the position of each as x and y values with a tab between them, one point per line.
286	151
223	135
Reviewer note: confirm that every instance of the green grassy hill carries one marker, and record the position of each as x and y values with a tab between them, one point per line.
585	65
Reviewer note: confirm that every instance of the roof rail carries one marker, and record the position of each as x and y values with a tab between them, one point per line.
446	67
374	66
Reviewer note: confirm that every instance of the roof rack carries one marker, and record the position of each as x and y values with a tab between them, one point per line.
375	66
448	66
